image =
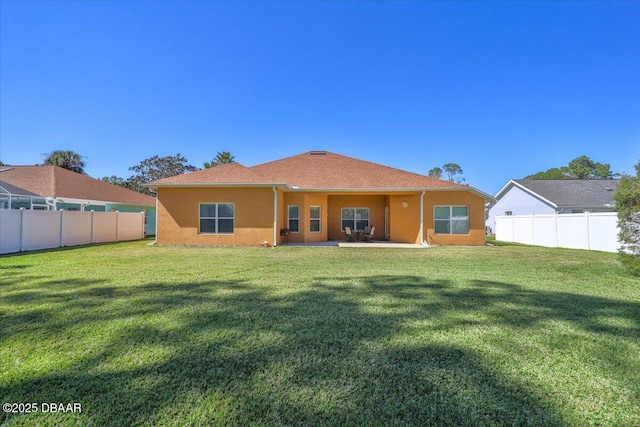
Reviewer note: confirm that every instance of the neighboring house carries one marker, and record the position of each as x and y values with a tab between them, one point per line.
313	197
548	196
54	188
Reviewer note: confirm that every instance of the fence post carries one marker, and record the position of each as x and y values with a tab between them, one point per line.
21	228
117	225
533	231
143	214
557	232
60	240
586	215
91	232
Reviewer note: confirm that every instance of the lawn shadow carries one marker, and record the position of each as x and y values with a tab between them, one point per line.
235	353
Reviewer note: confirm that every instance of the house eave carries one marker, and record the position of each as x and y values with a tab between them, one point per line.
586	207
214	185
295	188
472	190
90	202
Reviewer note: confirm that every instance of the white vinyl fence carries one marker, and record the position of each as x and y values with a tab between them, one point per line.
591	231
28	230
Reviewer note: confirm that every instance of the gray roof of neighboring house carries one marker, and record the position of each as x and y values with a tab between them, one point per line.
573	192
15	190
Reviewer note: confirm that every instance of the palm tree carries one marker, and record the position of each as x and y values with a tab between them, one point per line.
222	158
66	159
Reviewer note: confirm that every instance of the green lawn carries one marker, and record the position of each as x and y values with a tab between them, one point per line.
498	335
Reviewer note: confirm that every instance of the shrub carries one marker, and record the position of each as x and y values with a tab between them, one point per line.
628	206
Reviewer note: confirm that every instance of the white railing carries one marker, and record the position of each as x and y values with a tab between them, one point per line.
28	230
591	231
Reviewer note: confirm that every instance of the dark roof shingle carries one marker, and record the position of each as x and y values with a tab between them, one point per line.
573	192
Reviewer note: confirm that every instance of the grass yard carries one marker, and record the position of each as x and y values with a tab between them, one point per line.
461	336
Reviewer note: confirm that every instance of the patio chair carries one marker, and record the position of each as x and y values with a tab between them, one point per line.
369	236
349	235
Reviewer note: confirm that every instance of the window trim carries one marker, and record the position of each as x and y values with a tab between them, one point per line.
319	219
450	220
354	216
289	218
216	218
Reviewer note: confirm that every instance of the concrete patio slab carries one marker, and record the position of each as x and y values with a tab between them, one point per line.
344	244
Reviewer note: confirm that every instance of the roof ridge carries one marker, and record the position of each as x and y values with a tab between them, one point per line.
54	180
363	161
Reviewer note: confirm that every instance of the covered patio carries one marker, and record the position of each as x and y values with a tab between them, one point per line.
345	244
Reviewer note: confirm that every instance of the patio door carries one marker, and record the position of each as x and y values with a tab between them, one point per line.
386	223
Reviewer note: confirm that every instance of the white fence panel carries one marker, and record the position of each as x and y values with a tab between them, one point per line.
9	231
546	232
601	227
504	228
26	230
130	226
104	227
76	228
594	231
523	229
40	230
573	232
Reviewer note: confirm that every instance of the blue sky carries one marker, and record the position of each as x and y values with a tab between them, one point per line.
504	89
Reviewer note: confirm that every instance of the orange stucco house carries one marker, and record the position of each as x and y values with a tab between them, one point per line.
315	195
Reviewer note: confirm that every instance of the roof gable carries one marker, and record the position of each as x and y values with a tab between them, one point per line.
329	171
53	181
572	192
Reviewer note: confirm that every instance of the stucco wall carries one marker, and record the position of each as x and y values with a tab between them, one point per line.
376	205
178	215
404	224
298	200
476	235
315	199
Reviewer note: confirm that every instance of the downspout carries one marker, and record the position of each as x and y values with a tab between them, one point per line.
155	241
422	241
51	202
275	216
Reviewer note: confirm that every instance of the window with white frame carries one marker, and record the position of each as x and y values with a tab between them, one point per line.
356	218
294	218
217	218
314	219
451	220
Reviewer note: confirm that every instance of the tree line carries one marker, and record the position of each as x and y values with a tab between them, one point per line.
148	170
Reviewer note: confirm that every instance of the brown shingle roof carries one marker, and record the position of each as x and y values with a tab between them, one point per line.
53	181
229	174
325	170
315	170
